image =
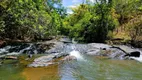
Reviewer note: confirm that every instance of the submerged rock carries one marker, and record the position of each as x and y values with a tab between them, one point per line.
42	61
46	60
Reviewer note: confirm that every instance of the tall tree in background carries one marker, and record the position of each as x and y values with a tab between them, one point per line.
91	22
58	13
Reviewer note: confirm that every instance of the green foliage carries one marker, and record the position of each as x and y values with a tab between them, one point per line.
30	19
90	23
135	29
127	9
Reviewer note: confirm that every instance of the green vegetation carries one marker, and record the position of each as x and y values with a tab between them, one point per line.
29	19
90	22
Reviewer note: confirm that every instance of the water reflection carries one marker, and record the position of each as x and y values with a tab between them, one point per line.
46	73
96	68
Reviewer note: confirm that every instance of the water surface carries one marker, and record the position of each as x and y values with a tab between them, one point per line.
91	68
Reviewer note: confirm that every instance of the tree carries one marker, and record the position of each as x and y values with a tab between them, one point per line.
91	22
31	19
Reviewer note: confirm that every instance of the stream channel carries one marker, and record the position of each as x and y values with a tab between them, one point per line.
63	60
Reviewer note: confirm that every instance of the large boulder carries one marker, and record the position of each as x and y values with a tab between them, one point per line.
133	54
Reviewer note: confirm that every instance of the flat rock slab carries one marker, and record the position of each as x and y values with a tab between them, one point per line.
42	61
126	48
99	45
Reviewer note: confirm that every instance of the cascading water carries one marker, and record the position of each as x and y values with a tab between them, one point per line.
138	58
27	48
75	52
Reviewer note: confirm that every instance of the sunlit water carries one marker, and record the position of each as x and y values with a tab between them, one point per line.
90	68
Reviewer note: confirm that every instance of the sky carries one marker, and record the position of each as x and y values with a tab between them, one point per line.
71	4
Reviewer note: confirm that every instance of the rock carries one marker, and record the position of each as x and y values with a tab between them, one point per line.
30	55
103	48
99	46
133	54
40	64
13	54
42	61
1	62
11	57
93	52
116	54
124	48
65	40
137	58
2	43
69	58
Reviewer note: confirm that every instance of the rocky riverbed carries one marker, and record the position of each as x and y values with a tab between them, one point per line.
64	60
55	49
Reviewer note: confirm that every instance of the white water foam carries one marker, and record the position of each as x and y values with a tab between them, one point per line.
76	54
137	58
28	48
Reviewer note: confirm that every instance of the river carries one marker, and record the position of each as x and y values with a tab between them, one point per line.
91	65
90	68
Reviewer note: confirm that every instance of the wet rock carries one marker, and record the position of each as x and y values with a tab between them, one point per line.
30	55
59	55
133	54
94	52
11	57
137	58
99	45
65	40
46	60
69	58
125	49
42	61
40	64
116	54
13	54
